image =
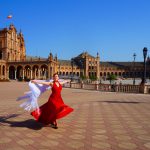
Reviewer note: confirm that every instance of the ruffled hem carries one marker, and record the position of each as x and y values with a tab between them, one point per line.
38	115
64	113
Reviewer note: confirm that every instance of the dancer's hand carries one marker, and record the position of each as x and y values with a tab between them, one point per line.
33	81
68	81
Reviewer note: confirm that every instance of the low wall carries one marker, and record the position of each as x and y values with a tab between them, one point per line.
112	88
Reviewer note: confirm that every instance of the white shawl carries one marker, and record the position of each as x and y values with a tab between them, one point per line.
32	96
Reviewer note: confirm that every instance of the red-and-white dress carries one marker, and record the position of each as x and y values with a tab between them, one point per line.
53	109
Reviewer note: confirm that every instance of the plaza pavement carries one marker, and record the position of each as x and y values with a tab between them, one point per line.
100	121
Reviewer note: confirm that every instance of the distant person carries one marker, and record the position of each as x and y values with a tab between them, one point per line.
55	107
120	82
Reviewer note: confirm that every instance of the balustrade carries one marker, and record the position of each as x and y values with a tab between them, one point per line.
112	88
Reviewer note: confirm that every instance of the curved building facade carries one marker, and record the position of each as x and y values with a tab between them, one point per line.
14	64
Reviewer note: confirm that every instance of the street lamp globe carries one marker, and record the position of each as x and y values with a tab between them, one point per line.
145	52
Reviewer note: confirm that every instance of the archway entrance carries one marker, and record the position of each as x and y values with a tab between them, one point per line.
12	72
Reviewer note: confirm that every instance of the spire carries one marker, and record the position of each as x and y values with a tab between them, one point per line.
56	57
20	33
11	26
97	54
50	57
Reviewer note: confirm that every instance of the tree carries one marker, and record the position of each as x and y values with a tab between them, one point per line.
111	77
93	78
83	77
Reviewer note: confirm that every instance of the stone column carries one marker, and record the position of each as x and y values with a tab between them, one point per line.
15	74
39	73
31	74
51	72
97	85
23	74
143	88
8	74
48	72
86	68
82	85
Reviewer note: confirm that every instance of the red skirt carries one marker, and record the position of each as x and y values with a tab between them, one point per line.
52	110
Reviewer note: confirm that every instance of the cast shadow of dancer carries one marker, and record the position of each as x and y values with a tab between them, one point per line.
30	123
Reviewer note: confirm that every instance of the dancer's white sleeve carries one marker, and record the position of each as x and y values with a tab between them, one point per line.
31	97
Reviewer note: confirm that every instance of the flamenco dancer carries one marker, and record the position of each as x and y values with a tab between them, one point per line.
55	107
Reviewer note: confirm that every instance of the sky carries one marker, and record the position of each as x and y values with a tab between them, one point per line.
116	29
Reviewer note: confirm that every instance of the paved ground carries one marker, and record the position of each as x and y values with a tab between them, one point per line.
100	121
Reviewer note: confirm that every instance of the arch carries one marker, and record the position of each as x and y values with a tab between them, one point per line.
124	74
12	72
19	72
89	74
139	74
131	74
108	73
35	69
27	72
3	70
127	74
44	71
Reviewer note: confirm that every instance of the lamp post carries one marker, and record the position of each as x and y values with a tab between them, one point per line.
144	74
134	56
72	69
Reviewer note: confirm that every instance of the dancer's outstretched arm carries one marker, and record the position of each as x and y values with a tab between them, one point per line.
65	81
42	82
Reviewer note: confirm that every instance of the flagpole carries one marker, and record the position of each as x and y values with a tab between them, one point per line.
9	17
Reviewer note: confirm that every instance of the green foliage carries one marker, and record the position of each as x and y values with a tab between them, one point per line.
83	77
20	79
111	77
26	79
93	78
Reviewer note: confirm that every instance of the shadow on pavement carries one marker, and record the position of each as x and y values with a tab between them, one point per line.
30	123
126	102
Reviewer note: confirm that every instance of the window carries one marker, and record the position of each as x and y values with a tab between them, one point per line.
8	56
1	54
1	44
